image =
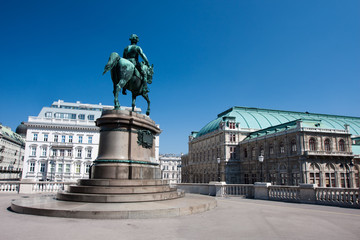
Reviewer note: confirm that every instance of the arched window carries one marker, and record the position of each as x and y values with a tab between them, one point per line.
253	152
293	145
342	145
312	145
314	172
327	145
271	149
282	147
261	151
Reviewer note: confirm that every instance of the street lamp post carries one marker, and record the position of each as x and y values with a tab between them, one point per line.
261	160
218	162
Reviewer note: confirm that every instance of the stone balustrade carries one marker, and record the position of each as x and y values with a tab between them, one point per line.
284	193
33	187
9	186
246	190
338	196
304	193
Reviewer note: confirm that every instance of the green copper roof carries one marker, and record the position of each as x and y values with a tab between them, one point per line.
6	132
356	149
257	118
310	123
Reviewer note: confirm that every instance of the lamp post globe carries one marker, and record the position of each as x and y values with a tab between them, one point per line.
261	160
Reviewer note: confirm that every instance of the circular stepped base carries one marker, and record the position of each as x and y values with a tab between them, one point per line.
49	206
118	189
122	182
119	198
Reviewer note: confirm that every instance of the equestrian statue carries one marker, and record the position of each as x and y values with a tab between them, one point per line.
127	73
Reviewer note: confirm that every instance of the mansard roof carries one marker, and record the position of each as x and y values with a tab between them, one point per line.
258	118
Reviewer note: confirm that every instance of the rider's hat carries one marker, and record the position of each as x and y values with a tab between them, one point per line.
133	38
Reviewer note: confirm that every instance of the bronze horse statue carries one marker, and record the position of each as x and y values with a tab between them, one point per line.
125	76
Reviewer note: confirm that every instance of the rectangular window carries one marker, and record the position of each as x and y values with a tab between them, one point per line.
63	138
32	167
67	168
48	114
35	137
42	167
56	138
69	153
232	138
271	150
91	117
78	168
79	152
46	137
282	149
60	168
89	153
283	178
90	139
80	139
54	152
87	168
52	168
44	152
33	151
81	116
62	152
70	139
232	153
295	178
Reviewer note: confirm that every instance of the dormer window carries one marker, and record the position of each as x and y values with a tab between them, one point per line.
232	125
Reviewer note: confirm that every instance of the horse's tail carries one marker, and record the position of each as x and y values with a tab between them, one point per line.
113	60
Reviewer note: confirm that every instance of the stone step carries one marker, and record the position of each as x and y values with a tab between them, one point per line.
119	190
122	182
118	198
48	206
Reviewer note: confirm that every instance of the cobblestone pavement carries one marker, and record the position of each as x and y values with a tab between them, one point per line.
234	218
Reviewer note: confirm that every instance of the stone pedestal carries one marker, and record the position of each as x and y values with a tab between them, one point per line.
125	169
307	193
261	190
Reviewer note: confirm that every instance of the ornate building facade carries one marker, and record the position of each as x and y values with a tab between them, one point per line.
301	151
12	149
170	165
228	148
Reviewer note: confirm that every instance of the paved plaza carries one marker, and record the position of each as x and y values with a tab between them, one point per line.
234	218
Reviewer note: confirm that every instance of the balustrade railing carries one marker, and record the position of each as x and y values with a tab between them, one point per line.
246	190
33	187
284	193
338	196
10	186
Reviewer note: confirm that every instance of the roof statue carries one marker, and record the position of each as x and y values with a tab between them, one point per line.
127	73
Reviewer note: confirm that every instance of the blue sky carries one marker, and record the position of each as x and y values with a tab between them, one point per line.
208	56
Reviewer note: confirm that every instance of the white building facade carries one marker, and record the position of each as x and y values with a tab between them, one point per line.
12	148
62	141
171	168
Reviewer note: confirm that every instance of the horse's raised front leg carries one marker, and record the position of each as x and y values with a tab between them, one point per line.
146	97
116	96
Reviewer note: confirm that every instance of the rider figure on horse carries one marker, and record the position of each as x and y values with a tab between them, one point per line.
132	53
